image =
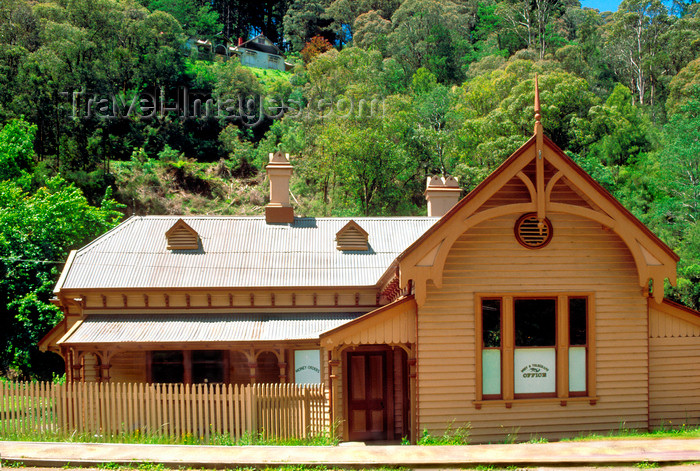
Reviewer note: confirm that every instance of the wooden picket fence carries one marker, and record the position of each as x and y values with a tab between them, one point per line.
198	413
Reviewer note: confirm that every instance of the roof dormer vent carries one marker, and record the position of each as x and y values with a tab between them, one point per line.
182	237
352	237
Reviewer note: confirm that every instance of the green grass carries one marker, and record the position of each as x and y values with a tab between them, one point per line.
207	71
646	465
624	433
451	436
137	437
266	76
11	464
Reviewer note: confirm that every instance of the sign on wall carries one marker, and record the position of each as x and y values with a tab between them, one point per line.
535	370
307	366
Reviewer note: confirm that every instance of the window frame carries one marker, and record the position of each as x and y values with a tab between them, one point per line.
562	394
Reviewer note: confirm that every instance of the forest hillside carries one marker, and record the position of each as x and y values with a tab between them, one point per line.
110	108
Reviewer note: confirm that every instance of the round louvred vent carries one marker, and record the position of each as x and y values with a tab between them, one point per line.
530	233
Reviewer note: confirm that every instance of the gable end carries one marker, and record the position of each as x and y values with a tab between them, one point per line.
580	196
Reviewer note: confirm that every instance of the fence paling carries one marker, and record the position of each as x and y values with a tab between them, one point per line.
108	410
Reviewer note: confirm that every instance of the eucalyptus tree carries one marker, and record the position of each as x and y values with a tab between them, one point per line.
634	40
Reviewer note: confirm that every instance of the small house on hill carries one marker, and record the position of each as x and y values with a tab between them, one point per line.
259	52
535	303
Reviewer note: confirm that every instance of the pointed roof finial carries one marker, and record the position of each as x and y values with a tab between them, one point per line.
538	111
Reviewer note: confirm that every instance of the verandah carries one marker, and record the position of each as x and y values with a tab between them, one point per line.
201	412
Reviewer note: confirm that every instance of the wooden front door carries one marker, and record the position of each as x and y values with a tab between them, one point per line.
368	396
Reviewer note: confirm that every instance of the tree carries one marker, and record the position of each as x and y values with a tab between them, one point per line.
16	148
244	19
679	207
433	138
304	20
518	15
533	22
681	42
683	87
234	80
360	167
634	40
372	31
431	34
317	45
18	26
346	13
196	19
36	232
614	132
679	158
354	73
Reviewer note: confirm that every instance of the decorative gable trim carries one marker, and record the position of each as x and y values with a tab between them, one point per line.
182	237
668	319
654	260
352	237
394	323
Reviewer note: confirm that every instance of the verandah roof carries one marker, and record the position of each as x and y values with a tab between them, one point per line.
162	328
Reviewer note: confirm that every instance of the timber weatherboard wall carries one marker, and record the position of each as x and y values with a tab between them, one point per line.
128	367
581	258
674	359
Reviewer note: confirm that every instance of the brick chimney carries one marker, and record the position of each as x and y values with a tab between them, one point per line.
442	193
279	171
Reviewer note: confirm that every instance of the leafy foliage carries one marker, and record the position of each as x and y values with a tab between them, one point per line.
317	45
451	436
16	148
36	232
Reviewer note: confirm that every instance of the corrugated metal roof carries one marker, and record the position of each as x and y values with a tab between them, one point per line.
127	328
241	252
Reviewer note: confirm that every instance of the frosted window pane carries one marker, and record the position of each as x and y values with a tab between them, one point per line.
491	371
535	370
577	369
307	366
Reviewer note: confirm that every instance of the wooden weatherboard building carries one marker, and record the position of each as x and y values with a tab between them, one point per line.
534	305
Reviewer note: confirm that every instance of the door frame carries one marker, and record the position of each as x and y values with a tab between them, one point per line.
388	388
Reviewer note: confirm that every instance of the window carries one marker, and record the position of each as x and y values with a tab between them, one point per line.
189	366
534	347
535	355
307	366
492	351
207	366
578	346
167	367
